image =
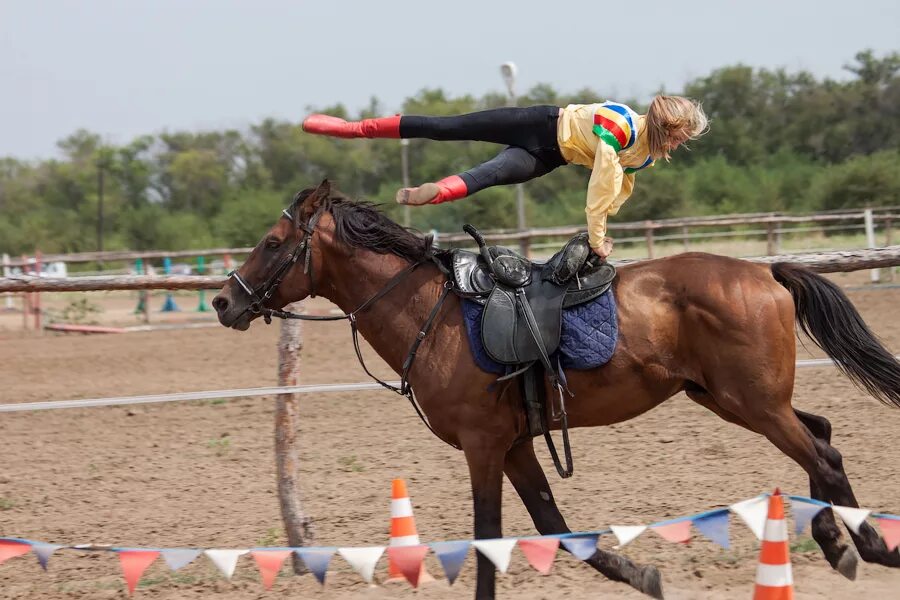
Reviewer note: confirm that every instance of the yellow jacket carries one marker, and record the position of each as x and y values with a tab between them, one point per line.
602	137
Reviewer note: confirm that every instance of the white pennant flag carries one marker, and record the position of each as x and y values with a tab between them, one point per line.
852	517
498	551
627	533
754	512
225	560
363	560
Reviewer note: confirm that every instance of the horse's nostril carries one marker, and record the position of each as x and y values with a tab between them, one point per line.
220	304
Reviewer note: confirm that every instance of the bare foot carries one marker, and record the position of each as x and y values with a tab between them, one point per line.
418	196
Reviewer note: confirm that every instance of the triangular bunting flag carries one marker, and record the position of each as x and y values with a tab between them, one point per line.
890	531
409	560
540	552
11	549
44	552
452	555
497	551
803	513
180	557
134	563
679	532
753	512
852	517
316	560
224	559
269	563
715	527
627	533
363	560
581	547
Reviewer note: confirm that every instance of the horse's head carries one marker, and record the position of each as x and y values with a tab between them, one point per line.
281	267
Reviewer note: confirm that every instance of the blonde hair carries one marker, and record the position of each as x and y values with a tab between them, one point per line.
673	114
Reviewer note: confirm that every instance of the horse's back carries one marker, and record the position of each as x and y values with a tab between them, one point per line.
684	305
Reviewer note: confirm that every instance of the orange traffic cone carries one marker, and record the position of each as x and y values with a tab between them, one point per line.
403	529
774	580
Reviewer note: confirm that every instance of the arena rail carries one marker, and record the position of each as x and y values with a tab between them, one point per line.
821	262
772	220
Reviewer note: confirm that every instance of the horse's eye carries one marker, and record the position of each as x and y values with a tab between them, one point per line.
273	243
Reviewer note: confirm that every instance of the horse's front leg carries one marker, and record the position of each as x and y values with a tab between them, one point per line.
485	460
527	476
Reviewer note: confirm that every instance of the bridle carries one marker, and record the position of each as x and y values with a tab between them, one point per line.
268	287
261	294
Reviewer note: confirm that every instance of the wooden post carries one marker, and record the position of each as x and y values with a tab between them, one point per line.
37	295
770	239
26	297
887	242
297	524
685	238
649	235
869	222
525	245
6	273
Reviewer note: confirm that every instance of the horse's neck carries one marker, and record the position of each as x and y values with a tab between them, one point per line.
391	323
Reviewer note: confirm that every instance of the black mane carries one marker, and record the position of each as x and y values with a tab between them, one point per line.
362	225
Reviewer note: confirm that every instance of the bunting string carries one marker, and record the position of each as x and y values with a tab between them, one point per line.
539	551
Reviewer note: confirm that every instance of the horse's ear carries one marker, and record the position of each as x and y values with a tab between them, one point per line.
316	196
324	189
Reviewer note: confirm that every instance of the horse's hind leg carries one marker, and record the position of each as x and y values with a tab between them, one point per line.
836	489
825	530
525	473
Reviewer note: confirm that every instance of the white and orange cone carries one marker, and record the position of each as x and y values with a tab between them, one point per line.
774	580
403	529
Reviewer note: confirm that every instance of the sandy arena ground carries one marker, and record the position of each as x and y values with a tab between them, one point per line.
201	474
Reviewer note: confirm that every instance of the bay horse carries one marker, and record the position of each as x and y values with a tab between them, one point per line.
719	329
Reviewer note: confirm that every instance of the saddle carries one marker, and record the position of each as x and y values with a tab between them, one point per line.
521	322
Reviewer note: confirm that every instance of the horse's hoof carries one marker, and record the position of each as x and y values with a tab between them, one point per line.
847	563
651	582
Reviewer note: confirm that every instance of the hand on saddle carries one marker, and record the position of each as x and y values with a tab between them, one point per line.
605	248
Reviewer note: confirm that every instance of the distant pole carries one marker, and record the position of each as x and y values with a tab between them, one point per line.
404	168
508	71
100	205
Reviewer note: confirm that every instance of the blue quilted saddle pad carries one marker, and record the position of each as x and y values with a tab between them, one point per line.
587	339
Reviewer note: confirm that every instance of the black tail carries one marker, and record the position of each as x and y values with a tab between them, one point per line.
828	317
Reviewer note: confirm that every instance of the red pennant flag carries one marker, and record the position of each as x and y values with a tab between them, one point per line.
269	563
409	560
890	531
675	532
10	549
134	563
540	552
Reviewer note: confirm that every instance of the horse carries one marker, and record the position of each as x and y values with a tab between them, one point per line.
722	330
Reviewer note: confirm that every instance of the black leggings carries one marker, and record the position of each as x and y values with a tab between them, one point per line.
530	134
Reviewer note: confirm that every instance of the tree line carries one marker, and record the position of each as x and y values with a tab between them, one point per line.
779	141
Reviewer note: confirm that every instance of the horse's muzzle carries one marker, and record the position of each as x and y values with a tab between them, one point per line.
232	314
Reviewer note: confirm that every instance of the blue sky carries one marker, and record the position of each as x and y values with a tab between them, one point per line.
123	68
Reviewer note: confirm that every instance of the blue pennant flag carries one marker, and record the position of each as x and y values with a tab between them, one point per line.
316	560
452	556
715	527
581	547
44	552
803	513
179	557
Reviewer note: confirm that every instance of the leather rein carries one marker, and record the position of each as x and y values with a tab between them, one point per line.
303	250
